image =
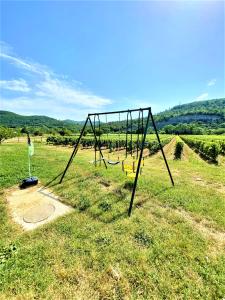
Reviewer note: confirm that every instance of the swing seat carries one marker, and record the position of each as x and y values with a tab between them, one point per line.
110	162
129	170
131	175
128	166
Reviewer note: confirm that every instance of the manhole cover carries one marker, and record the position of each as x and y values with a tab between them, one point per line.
38	213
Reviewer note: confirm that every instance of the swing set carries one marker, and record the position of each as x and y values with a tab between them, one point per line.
132	169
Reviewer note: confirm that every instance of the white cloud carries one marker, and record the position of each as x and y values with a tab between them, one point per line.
211	82
53	88
25	106
203	96
44	92
22	64
19	85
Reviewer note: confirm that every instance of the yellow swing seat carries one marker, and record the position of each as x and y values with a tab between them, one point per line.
128	167
131	175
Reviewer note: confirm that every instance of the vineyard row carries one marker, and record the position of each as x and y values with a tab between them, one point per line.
210	149
112	145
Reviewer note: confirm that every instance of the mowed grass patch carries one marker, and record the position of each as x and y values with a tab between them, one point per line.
97	252
202	198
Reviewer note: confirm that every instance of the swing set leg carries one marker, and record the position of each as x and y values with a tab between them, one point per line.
74	151
140	158
161	148
138	166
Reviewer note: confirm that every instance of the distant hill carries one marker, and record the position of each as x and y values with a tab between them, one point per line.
210	111
208	107
11	119
199	117
68	121
208	114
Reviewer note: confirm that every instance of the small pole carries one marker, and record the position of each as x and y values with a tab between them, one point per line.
29	145
29	164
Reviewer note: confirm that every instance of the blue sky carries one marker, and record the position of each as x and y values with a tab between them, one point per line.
67	58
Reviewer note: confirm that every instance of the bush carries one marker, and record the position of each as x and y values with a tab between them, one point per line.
83	204
211	149
129	185
6	133
178	150
154	146
105	206
143	238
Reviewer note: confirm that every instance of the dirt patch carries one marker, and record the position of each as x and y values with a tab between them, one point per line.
187	152
199	181
34	206
168	149
108	187
221	160
23	139
205	227
218	187
105	185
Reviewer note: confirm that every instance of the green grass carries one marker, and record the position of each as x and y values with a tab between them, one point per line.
97	252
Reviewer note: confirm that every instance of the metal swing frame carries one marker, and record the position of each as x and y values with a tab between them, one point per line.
97	145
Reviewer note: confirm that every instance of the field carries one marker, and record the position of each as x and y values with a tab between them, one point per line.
172	247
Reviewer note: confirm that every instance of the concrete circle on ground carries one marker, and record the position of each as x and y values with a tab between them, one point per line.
38	213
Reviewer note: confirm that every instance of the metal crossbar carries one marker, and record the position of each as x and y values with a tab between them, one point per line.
120	111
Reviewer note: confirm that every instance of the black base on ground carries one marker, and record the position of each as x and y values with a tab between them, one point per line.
30	181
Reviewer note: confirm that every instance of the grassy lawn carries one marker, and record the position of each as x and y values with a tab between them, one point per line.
172	247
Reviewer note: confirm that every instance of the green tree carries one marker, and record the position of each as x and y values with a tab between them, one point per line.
24	130
5	133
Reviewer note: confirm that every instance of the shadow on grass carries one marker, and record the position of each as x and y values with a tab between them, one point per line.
116	213
115	208
163	190
56	180
50	183
108	219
